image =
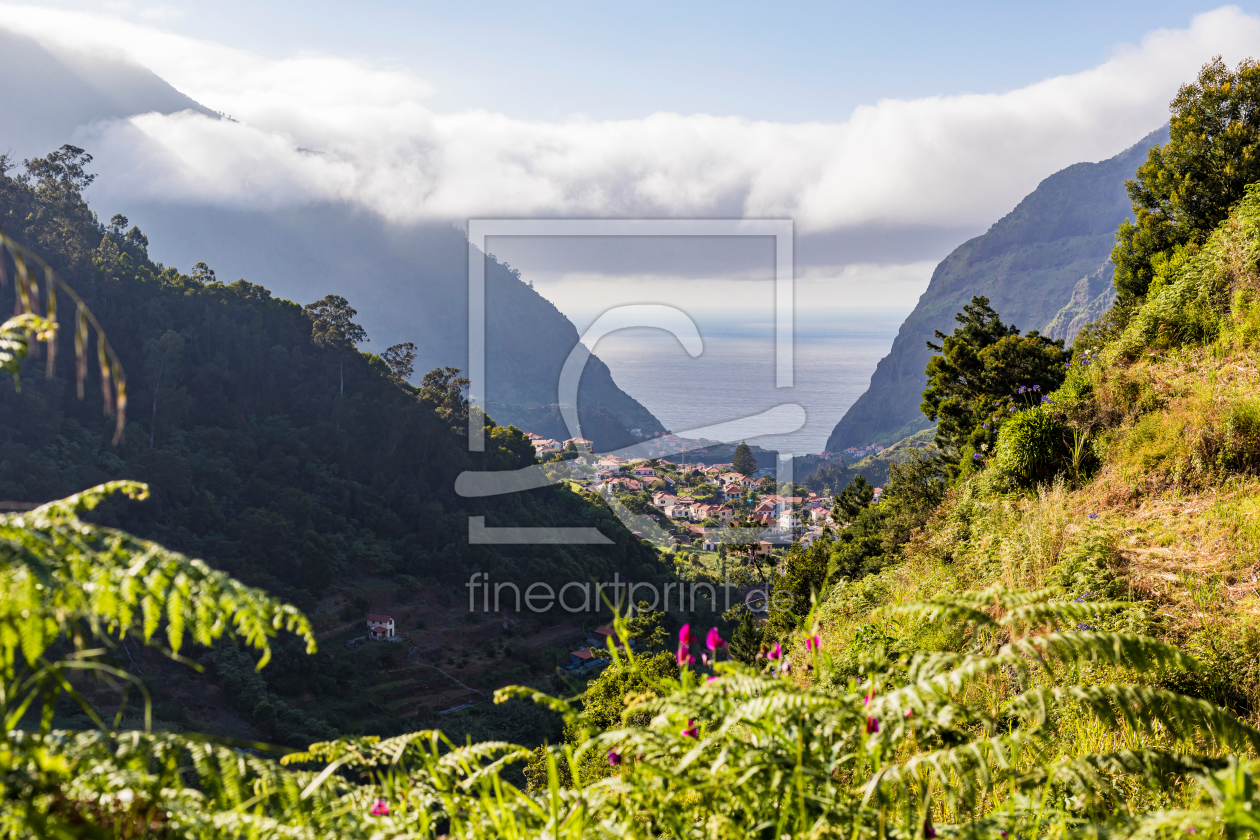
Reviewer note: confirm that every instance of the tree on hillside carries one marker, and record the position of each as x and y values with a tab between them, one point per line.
401	360
201	272
852	500
331	327
446	388
331	324
1187	185
61	174
744	461
984	361
747	638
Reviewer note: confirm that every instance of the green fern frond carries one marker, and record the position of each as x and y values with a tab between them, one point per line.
1140	708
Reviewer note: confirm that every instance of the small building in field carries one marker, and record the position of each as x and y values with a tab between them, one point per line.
380	626
581	658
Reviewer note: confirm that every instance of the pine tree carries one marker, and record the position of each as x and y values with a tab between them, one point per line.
746	640
744	461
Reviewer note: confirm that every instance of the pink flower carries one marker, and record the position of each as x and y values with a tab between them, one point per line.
776	652
711	679
684	656
690	731
785	667
614	758
684	635
380	808
813	643
872	726
714	640
909	713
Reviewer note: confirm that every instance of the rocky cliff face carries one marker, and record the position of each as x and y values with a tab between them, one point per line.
1043	266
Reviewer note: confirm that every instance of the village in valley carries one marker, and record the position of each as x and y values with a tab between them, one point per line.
697	499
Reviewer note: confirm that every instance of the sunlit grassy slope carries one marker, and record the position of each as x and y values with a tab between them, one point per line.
1168	518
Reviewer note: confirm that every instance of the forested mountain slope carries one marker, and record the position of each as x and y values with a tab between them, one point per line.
409	282
289	464
1029	265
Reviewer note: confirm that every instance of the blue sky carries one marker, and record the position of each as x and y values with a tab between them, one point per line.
783	61
888	133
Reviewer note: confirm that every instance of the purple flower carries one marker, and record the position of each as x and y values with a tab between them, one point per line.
1036	387
984	425
380	808
975	457
1022	389
872	726
1191	829
929	831
690	731
785	667
714	640
1093	516
614	758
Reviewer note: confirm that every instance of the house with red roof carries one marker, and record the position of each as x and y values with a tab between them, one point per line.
380	627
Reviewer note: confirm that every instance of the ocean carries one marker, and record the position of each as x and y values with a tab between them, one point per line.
734	376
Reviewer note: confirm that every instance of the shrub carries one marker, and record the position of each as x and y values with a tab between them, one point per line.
1031	448
1239	441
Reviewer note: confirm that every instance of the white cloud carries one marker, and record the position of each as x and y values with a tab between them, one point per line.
159	13
943	161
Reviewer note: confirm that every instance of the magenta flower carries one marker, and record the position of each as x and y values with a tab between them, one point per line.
714	640
813	643
711	679
614	758
684	635
872	726
380	808
690	731
776	652
684	656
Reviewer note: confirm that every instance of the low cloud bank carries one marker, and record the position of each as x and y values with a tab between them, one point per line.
315	128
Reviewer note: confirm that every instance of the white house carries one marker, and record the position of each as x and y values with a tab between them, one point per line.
380	626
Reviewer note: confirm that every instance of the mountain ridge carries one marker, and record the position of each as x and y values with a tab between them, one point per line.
1028	264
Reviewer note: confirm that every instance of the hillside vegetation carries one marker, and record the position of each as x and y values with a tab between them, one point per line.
1046	629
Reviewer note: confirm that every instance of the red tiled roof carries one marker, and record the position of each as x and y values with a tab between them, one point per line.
584	653
383	619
